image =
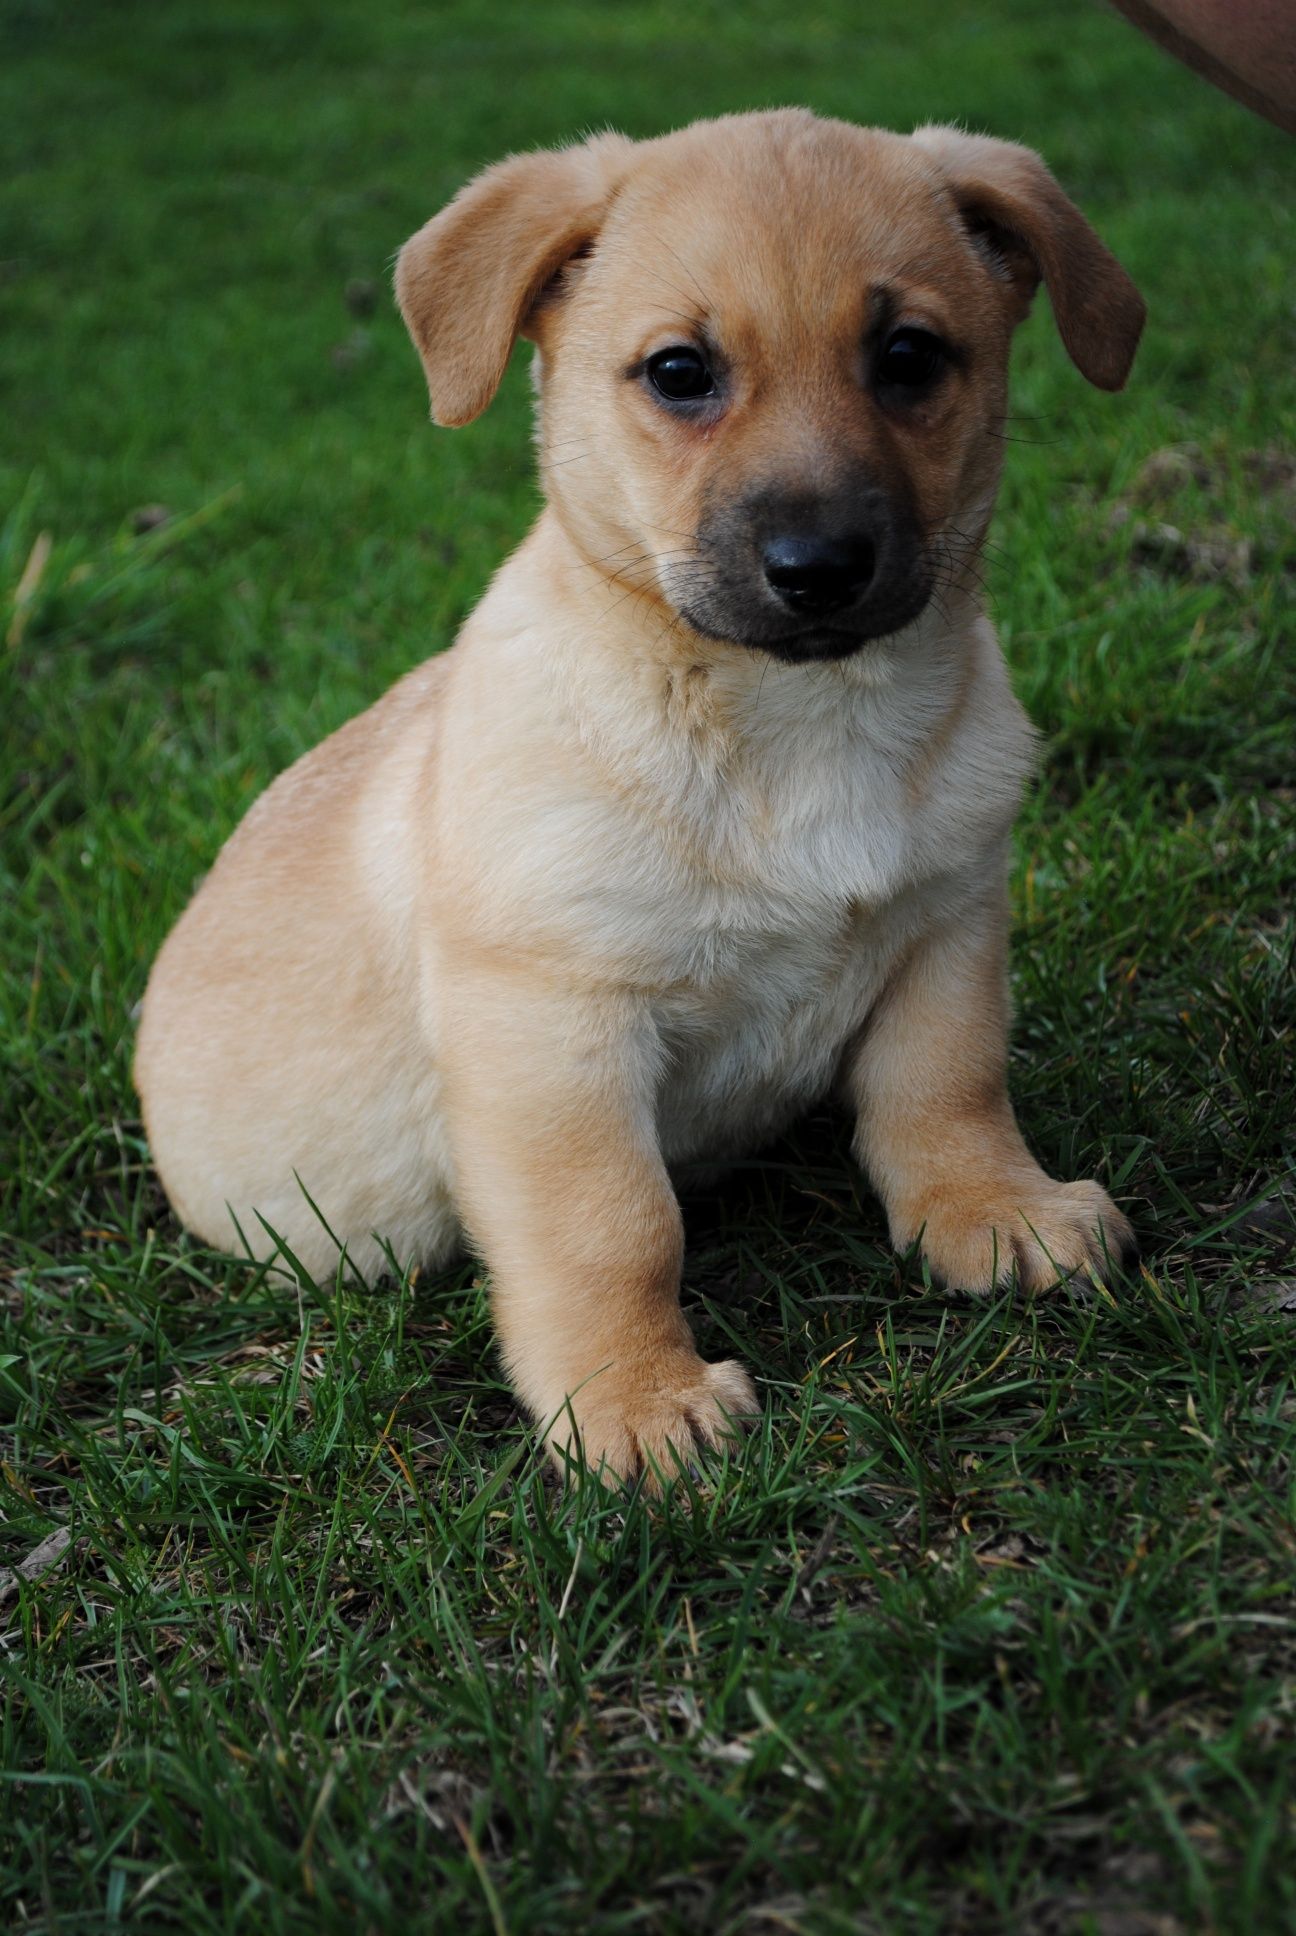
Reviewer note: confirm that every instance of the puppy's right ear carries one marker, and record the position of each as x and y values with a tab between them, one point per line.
473	276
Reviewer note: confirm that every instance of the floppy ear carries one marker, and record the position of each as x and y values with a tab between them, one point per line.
1028	230
471	278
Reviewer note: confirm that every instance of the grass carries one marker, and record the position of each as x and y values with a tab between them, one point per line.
992	1623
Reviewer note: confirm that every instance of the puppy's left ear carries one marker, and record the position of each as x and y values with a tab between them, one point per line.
1028	231
473	278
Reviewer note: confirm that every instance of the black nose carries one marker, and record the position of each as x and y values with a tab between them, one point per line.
818	574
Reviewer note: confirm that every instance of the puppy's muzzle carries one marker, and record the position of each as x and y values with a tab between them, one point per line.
805	576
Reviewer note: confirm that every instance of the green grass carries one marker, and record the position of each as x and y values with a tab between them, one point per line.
992	1624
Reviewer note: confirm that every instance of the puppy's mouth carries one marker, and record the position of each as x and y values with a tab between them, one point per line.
838	636
793	648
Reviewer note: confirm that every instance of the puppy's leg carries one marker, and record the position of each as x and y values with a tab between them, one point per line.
560	1179
936	1131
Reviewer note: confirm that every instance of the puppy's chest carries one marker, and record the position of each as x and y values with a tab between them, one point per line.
756	1030
775	969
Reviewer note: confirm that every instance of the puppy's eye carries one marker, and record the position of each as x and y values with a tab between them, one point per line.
680	374
910	358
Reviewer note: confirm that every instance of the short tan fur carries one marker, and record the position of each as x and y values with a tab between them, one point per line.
611	890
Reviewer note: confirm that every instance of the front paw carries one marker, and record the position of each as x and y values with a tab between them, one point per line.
652	1418
1033	1232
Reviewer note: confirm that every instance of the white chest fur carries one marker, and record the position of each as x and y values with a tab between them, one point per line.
774	844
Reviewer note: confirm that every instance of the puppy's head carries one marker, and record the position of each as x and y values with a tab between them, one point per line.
773	354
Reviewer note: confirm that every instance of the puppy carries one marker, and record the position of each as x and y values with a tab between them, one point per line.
706	814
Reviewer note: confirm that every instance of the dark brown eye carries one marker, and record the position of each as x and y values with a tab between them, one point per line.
910	358
680	374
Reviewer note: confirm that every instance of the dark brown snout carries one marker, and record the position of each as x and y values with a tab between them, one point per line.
806	575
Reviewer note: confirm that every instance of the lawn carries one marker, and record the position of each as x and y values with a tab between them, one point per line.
991	1625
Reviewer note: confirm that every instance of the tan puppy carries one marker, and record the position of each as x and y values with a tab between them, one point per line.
707	812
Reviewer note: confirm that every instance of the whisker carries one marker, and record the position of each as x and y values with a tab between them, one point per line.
547	464
689	277
1005	437
675	288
